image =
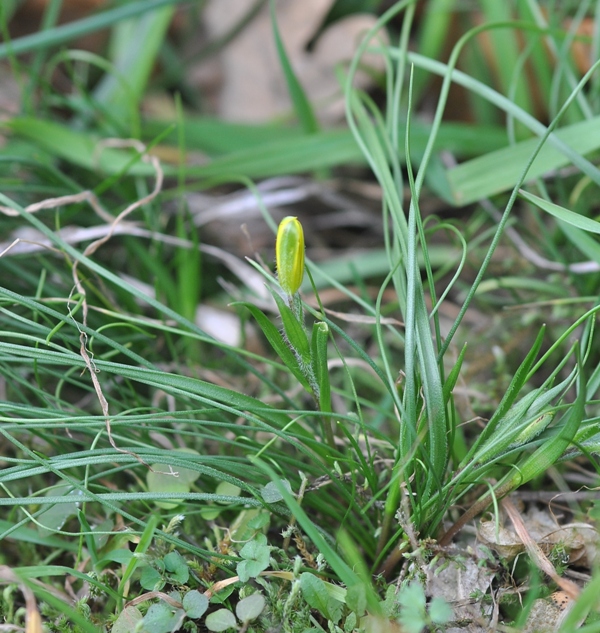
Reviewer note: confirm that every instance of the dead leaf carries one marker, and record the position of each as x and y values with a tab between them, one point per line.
578	540
547	615
535	552
463	582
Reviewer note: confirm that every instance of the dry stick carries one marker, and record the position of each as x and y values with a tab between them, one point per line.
398	553
90	250
535	552
33	620
580	268
469	515
19	240
52	203
472	512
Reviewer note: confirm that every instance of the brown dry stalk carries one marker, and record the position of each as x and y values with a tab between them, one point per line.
33	620
535	552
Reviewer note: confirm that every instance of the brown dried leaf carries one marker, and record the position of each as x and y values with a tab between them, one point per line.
547	615
462	583
579	540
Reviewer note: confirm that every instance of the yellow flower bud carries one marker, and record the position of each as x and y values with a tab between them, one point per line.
289	252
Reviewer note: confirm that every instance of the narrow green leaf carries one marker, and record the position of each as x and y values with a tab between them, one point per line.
315	593
142	546
356	596
72	30
219	138
570	217
516	384
453	375
505	49
525	420
273	335
135	45
582	240
551	450
294	330
78	147
587	600
502	169
320	337
31	535
88	537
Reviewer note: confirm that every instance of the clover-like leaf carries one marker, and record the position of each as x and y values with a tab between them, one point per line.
165	478
250	608
271	494
127	620
160	618
194	604
177	567
257	555
220	620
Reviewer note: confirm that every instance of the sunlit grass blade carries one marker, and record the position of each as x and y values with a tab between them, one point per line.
501	170
453	375
565	215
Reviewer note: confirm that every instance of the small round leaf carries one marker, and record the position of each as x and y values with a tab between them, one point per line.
127	620
164	478
220	620
195	604
151	580
159	619
271	494
250	608
227	489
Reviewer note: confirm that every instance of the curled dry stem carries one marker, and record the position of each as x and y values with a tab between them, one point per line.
92	200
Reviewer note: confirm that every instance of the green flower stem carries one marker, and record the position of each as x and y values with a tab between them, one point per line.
320	337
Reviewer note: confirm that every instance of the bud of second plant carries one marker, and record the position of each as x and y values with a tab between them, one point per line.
289	252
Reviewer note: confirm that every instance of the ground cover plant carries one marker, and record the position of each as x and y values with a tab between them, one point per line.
396	437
